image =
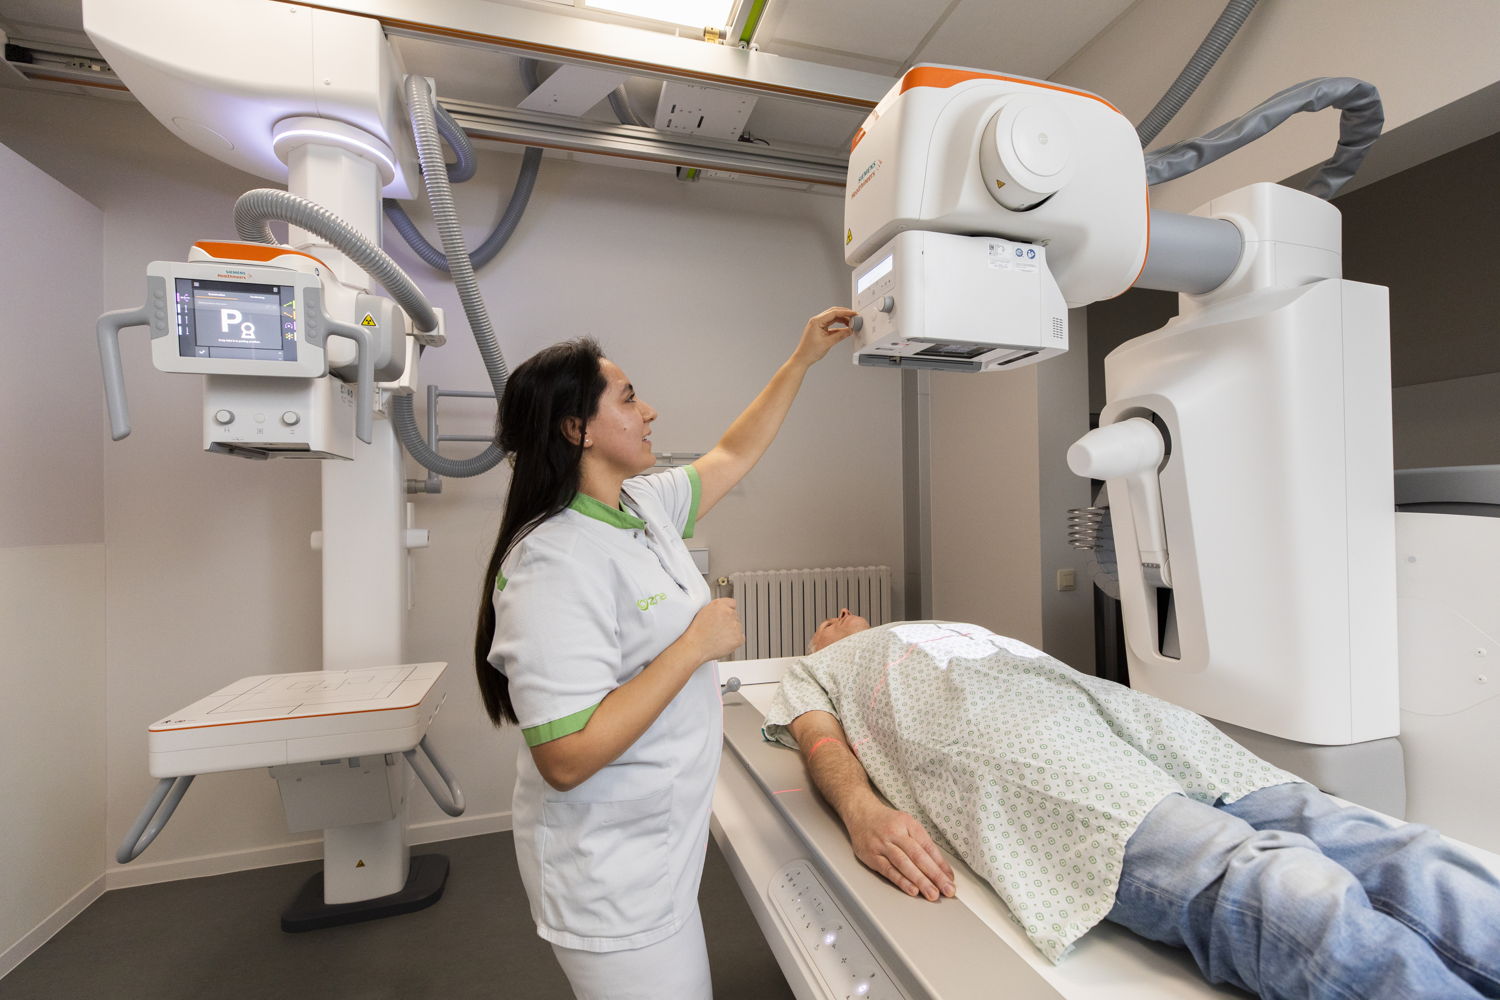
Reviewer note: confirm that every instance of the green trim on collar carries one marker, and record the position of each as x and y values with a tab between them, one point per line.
612	516
500	581
558	728
692	521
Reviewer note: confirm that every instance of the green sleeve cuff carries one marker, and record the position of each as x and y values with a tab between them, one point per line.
558	728
692	518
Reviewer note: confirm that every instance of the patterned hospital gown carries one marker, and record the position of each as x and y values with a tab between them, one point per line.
1033	773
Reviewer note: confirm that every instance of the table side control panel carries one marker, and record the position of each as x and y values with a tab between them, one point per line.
829	941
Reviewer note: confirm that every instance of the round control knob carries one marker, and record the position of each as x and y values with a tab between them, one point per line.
857	324
887	304
1026	155
291	418
224	417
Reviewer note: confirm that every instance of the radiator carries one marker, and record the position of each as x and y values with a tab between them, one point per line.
781	608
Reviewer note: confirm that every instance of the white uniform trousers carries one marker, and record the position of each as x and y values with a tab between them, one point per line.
676	967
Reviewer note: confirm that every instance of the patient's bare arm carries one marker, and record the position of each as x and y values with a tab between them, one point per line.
887	840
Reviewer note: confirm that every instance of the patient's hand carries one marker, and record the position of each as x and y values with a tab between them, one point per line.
894	844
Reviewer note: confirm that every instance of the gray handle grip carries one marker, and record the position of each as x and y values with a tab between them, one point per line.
140	836
364	418
108	329
448	796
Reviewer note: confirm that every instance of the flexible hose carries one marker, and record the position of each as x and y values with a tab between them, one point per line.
531	71
531	162
458	172
257	207
1209	51
430	152
458	140
619	103
1359	127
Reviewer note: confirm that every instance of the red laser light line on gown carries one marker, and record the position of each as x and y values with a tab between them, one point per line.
885	675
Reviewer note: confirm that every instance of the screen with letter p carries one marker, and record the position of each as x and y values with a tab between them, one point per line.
236	320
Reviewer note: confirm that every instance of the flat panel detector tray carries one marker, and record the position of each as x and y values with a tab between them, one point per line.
274	719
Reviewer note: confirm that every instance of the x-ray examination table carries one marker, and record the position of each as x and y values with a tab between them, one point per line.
841	931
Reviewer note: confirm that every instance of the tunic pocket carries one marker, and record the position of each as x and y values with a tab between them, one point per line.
605	865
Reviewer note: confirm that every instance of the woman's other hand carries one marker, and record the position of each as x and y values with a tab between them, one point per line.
715	630
823	331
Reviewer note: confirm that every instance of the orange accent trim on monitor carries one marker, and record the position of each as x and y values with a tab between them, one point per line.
264	252
856	140
942	76
284	718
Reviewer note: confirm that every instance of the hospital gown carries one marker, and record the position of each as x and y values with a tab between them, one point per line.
1033	773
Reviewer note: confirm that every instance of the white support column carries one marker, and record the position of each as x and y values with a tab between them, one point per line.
364	525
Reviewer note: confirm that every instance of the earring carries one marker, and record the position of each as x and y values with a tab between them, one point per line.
587	442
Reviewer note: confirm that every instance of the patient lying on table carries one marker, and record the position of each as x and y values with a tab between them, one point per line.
1081	800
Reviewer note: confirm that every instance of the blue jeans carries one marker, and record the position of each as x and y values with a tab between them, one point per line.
1286	893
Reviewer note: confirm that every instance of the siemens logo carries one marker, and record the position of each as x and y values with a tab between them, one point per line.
865	177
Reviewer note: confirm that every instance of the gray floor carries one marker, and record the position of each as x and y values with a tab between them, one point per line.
220	938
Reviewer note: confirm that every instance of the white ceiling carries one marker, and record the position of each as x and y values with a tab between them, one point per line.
1024	37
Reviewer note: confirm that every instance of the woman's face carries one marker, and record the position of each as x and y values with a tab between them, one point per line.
619	434
834	629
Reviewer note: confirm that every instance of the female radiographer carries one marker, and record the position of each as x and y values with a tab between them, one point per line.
598	638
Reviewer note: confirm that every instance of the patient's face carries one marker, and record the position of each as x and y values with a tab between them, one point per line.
834	629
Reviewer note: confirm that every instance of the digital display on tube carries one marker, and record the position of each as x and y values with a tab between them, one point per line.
874	274
236	320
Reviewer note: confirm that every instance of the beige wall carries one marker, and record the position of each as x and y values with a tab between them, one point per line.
1000	494
1456	422
698	290
985	546
52	747
1422	56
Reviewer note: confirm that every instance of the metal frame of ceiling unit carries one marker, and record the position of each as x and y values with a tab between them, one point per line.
578	135
51	62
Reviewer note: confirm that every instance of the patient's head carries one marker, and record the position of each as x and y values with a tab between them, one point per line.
834	629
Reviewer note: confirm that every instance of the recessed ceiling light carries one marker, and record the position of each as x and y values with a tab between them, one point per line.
692	13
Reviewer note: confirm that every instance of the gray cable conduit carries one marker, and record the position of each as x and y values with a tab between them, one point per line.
531	74
420	105
444	791
458	172
260	206
531	162
1209	51
170	790
619	103
1359	127
458	141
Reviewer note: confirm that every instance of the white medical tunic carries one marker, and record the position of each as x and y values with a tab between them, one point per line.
1033	773
583	603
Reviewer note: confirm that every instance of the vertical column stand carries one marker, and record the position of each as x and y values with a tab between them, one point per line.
367	870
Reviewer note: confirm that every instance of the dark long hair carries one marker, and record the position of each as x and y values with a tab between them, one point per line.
562	381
